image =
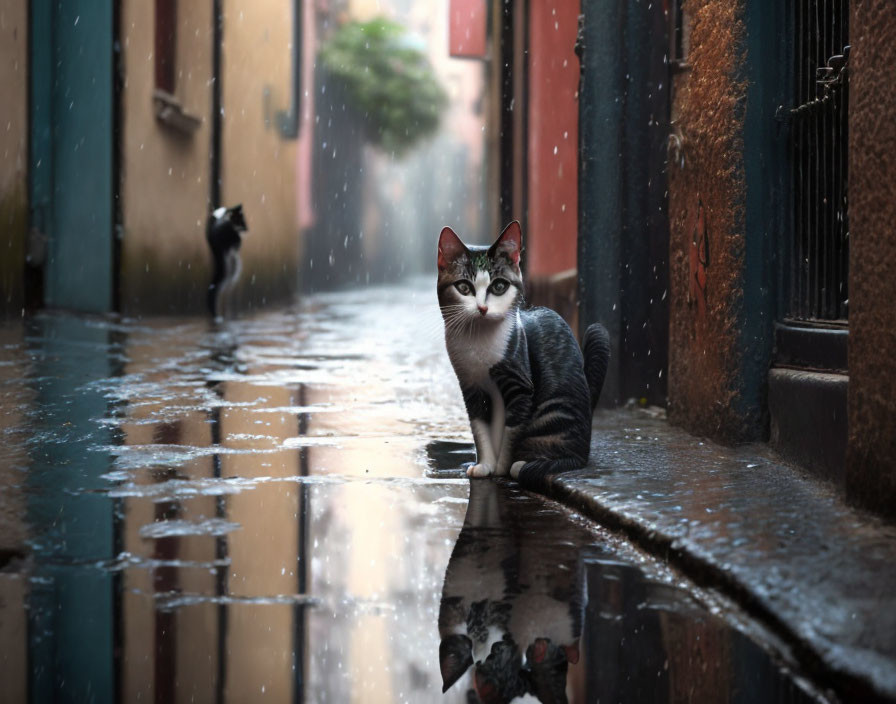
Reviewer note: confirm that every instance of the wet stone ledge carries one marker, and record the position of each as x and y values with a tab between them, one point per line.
788	548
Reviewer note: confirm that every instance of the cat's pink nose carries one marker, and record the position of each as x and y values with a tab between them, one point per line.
483	309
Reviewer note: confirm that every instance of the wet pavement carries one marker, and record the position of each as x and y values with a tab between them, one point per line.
789	548
274	510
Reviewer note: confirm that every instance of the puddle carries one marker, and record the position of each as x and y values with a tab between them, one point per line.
276	509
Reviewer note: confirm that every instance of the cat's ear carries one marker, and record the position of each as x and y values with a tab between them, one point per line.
455	658
510	243
450	248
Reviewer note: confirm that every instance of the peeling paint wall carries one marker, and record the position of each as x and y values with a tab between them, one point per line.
707	223
13	154
871	455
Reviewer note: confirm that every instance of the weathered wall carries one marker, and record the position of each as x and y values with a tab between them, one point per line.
553	139
258	162
165	264
871	455
13	153
164	174
707	223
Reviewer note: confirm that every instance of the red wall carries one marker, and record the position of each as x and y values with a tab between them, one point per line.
467	28
553	138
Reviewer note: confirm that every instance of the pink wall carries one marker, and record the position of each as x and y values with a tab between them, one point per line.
553	138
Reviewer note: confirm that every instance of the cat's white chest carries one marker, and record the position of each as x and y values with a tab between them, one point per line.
473	356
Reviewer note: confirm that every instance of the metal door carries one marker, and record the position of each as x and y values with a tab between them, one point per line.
72	149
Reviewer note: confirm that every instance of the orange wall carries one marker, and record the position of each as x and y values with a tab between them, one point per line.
553	138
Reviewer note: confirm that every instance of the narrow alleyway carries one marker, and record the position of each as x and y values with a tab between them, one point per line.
267	510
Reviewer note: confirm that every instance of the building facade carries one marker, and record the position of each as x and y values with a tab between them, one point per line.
129	122
734	182
777	160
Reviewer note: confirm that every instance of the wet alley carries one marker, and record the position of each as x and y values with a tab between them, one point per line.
233	449
275	509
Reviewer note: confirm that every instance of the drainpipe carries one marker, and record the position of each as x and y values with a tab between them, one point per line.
288	120
215	156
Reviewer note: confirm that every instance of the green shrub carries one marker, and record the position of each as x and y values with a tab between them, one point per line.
387	81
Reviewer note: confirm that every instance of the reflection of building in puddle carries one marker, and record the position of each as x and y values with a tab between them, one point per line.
512	600
447	457
220	612
13	527
233	646
648	640
373	564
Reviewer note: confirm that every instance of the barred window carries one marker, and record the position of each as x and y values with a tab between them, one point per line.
819	253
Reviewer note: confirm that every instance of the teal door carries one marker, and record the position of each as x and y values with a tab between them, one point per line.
72	612
71	156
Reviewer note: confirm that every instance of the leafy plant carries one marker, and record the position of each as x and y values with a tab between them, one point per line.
387	81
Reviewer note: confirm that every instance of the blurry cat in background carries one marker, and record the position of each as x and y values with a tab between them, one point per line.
528	389
224	235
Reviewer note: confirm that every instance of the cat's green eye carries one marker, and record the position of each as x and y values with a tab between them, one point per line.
464	288
498	286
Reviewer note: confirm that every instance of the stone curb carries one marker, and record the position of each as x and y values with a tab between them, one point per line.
853	673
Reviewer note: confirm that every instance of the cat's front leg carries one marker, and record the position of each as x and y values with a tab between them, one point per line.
486	458
517	391
480	408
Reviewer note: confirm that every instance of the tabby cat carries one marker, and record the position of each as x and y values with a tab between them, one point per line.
528	391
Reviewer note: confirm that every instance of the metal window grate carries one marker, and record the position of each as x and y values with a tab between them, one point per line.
819	253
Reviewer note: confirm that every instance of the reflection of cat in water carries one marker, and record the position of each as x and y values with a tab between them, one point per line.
512	601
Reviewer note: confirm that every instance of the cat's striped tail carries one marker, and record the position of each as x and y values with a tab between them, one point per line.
596	351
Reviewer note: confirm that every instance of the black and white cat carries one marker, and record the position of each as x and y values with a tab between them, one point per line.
224	235
528	391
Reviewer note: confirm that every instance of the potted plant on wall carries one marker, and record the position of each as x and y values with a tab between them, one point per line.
387	82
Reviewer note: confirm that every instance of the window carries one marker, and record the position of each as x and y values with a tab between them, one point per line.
169	110
817	270
166	44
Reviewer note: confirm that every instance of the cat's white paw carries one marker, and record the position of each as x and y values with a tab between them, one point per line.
480	470
515	469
